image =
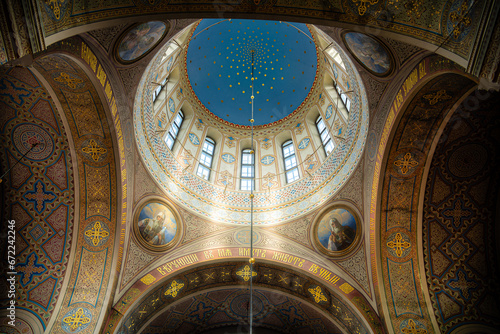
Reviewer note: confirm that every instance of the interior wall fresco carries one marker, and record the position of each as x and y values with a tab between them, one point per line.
99	213
406	300
450	25
131	314
460	209
38	193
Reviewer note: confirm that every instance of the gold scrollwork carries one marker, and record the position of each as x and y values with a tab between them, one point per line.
362	5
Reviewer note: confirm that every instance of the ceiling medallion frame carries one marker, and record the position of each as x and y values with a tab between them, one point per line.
146	52
392	62
139	232
322	221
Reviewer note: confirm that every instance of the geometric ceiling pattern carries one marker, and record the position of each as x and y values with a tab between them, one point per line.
399	243
40	197
460	210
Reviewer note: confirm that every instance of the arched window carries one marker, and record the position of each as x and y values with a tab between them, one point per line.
207	155
174	130
291	169
247	170
325	136
344	98
159	88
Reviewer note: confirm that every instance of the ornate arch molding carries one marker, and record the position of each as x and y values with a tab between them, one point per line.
139	305
429	94
84	91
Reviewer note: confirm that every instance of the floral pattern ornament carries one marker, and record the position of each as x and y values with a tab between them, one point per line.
56	8
363	5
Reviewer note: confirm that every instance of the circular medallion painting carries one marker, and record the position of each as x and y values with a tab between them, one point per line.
156	225
369	52
139	40
337	230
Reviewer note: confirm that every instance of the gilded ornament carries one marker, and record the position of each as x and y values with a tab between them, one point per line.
94	150
148	279
318	295
406	163
246	273
398	244
65	79
77	320
175	287
411	328
362	5
437	97
97	233
460	19
346	288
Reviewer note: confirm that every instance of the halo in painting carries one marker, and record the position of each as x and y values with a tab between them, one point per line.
156	225
369	52
139	40
337	230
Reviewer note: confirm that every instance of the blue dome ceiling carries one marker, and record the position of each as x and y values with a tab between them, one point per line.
219	68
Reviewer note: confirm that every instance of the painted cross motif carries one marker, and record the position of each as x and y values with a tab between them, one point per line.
437	97
97	233
411	328
77	320
246	273
94	150
304	143
292	315
299	128
267	143
329	111
457	212
15	94
171	105
29	269
461	18
268	181
225	178
200	311
461	283
40	196
267	160
175	287
318	295
405	163
228	157
65	79
398	245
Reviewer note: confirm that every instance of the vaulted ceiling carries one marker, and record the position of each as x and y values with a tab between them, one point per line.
423	190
